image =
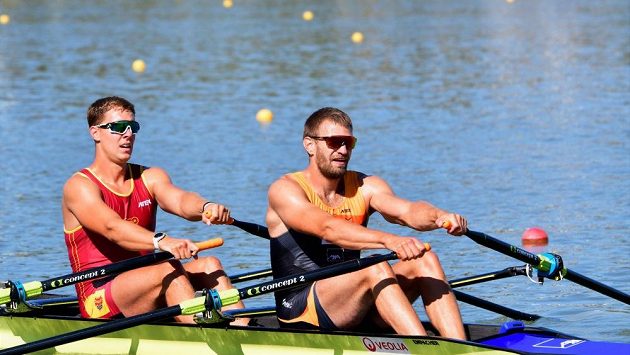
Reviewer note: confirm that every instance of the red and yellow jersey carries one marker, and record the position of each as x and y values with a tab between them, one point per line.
88	249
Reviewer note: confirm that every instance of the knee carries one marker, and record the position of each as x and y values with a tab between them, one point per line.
429	265
380	271
172	267
206	265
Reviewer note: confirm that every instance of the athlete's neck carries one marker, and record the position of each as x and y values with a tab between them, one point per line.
111	173
328	189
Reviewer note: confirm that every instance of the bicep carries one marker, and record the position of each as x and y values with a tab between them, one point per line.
383	200
293	208
161	187
83	199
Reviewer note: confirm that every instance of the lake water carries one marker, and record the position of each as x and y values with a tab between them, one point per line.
512	114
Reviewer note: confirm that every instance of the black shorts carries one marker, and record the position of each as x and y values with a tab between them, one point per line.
302	310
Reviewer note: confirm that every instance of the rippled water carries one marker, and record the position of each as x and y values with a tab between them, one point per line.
513	114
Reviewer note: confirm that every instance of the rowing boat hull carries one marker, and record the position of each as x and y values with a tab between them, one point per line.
170	338
183	339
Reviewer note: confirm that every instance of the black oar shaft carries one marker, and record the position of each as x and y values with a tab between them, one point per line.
503	247
597	286
252	228
100	329
315	275
106	270
508	312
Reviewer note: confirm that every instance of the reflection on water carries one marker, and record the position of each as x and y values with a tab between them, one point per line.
514	114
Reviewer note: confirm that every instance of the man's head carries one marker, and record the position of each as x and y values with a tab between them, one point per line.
332	114
98	108
113	128
328	140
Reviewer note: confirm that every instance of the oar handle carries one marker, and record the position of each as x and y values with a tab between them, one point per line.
209	244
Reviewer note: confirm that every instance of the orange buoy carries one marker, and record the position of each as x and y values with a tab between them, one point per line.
535	236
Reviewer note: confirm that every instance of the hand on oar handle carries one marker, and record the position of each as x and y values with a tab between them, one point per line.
215	213
185	248
458	227
407	248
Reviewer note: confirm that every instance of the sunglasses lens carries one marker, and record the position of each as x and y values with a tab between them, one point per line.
335	142
121	126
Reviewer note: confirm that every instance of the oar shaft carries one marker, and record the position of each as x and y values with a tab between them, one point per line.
35	288
311	276
503	247
497	275
481	303
119	267
252	228
596	286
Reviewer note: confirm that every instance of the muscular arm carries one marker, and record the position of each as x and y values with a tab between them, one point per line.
82	202
419	215
172	199
186	204
289	208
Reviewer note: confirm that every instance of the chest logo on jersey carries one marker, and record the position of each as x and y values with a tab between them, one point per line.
144	203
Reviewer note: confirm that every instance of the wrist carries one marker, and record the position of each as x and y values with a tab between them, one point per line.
157	238
203	208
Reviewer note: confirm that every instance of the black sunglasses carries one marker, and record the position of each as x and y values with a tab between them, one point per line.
120	127
335	142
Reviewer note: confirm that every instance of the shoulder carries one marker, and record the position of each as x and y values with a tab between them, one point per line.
153	174
372	184
282	183
286	189
79	185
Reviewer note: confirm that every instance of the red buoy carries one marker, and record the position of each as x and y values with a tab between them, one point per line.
535	236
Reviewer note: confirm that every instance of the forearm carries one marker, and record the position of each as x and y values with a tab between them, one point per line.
422	216
190	206
129	235
353	236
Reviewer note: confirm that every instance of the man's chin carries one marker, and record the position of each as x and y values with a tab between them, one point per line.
334	173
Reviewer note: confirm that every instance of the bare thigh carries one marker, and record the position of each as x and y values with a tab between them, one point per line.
422	277
348	298
145	289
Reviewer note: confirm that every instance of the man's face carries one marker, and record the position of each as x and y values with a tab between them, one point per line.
332	149
118	146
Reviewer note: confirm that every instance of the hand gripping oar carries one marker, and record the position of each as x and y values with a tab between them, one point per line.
549	265
252	228
217	300
20	292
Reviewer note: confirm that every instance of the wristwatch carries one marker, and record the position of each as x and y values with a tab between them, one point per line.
156	239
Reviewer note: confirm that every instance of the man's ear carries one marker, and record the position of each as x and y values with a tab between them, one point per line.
309	146
95	132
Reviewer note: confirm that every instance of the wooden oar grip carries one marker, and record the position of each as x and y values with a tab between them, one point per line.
427	247
446	224
210	243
